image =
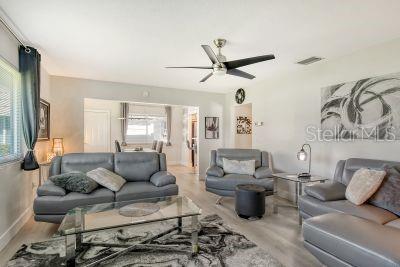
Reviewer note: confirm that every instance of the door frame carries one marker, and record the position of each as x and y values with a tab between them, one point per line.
108	125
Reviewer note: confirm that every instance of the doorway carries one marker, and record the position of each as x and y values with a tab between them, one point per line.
96	131
243	126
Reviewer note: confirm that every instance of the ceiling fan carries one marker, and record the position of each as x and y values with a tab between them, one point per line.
221	67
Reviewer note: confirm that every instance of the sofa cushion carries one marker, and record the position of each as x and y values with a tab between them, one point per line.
215	171
326	191
162	178
353	164
394	223
363	185
85	162
230	181
142	190
107	178
238	154
74	182
48	188
61	205
316	207
388	195
239	166
136	166
263	172
354	240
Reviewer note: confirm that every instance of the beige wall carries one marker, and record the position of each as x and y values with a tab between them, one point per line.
16	185
242	140
68	96
287	104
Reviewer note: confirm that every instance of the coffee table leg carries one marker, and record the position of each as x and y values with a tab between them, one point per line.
179	225
70	250
275	205
195	233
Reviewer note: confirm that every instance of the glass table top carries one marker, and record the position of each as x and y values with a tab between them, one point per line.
294	178
105	216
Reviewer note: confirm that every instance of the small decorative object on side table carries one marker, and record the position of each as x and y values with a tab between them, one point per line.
298	181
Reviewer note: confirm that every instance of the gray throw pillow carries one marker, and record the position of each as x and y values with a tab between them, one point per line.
107	178
388	195
74	182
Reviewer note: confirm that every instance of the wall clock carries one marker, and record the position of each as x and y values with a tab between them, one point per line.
240	96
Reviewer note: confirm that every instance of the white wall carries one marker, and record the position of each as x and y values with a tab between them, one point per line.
288	103
16	185
68	96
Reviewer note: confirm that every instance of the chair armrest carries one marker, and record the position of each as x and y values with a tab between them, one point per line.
162	178
263	172
50	189
327	191
215	171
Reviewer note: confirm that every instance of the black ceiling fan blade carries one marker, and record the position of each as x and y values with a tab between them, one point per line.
205	68
210	54
239	73
246	61
206	78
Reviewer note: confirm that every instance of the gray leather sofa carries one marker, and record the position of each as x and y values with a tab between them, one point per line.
224	185
340	233
146	174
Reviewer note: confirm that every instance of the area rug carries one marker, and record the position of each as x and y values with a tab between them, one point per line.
219	246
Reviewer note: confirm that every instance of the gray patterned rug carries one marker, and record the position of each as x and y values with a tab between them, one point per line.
219	246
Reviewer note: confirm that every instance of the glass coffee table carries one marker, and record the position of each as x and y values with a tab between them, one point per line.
100	217
298	185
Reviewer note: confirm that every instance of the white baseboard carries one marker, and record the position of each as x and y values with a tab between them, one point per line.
14	228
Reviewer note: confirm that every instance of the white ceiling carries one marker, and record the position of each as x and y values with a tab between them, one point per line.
133	40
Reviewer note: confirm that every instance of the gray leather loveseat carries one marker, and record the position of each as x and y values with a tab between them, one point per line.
340	233
224	185
145	172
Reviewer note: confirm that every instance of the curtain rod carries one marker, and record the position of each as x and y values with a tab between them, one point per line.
14	35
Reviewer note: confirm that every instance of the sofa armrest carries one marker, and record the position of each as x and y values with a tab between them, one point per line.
50	189
263	172
162	178
215	171
327	191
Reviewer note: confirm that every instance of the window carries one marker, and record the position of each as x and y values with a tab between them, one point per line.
146	123
10	113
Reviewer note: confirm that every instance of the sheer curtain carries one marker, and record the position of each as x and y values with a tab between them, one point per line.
29	67
124	121
168	112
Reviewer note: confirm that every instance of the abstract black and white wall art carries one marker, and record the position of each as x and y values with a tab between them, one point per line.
212	128
243	125
364	109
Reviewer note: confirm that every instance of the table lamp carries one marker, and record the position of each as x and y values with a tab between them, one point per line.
303	156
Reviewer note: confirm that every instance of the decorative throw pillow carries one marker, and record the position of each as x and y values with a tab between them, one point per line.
74	182
388	195
107	178
239	167
363	185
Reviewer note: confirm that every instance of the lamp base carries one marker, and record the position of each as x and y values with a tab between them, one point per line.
304	175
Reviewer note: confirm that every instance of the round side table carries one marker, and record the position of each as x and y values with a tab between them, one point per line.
250	201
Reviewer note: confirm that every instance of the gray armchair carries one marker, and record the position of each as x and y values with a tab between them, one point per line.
223	185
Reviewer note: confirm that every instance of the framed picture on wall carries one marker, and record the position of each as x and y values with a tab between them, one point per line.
212	128
44	121
243	125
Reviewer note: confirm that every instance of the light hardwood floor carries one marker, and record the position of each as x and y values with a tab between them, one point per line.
279	233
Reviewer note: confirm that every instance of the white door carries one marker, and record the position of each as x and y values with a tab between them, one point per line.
97	131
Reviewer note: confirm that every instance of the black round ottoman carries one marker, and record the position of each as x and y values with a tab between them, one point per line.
250	201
